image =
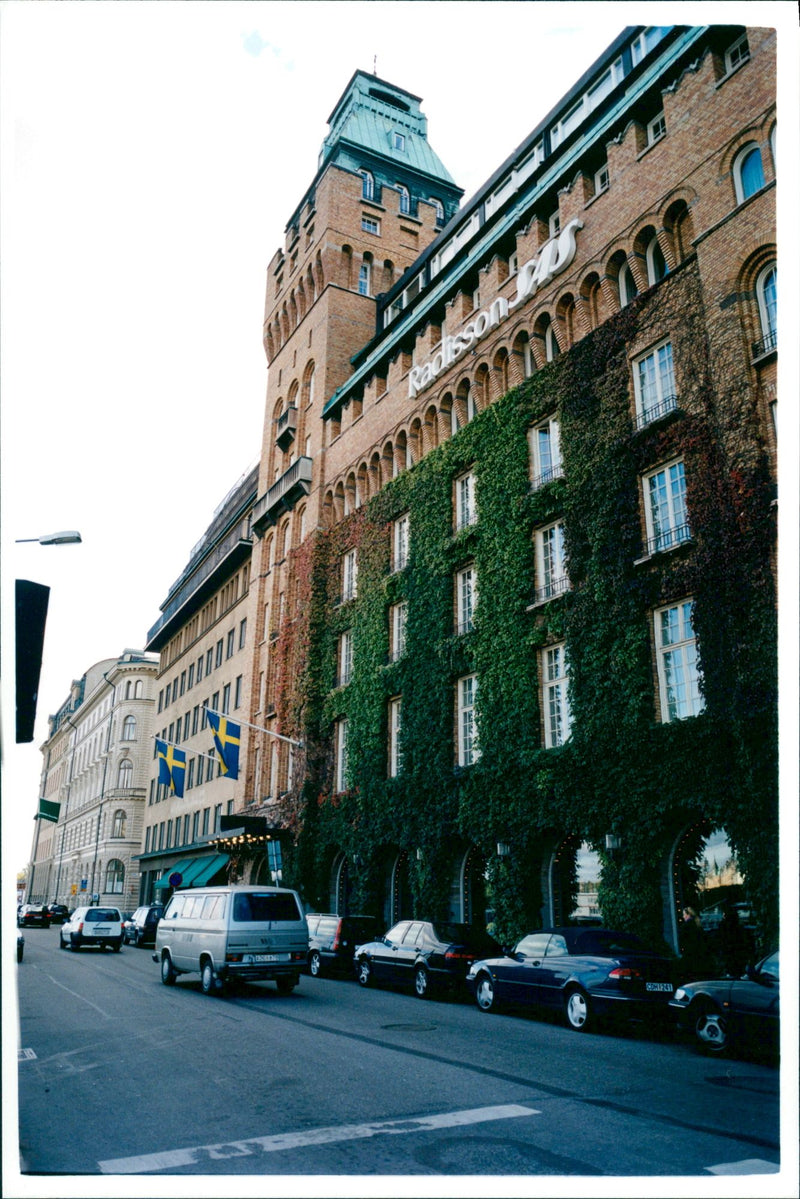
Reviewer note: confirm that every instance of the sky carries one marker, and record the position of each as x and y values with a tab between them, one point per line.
150	156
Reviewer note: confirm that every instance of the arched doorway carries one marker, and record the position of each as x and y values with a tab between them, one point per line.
340	886
471	889
400	901
575	871
704	875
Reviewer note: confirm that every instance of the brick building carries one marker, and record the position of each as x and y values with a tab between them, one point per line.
513	572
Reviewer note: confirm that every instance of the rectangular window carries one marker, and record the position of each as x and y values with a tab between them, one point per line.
349	575
400	542
468	751
201	762
398	141
217	816
160	700
678	672
647	40
242	633
363	279
214	705
209	661
195	718
218	657
466	508
551	562
736	54
206	816
654	384
200	668
665	508
183	681
195	825
169	835
226	699
341	755
554	223
147	833
178	727
397	630
370	225
186	829
601	179
230	643
190	773
395	751
656	128
466	599
345	657
545	448
190	679
555	696
237	692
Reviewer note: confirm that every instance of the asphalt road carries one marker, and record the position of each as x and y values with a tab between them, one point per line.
143	1079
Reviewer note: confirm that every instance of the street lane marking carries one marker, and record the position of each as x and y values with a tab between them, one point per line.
752	1165
81	997
26	1055
174	1159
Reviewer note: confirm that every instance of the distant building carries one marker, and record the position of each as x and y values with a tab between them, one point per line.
96	764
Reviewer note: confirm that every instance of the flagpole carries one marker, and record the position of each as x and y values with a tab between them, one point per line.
259	728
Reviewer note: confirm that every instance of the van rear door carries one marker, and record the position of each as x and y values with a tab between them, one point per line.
267	923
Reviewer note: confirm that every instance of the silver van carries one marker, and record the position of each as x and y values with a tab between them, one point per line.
225	933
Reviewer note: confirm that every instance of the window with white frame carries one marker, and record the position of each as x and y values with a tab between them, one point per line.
466	507
115	877
551	347
665	507
748	172
551	562
341	754
513	263
400	534
767	297
370	225
554	223
397	629
363	279
656	262
395	731
398	140
656	129
601	179
345	657
654	384
125	775
545	453
468	749
678	671
627	285
367	185
439	206
349	575
120	819
466	598
405	199
555	695
129	728
645	42
736	54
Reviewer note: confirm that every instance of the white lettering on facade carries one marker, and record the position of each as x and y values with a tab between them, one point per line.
553	258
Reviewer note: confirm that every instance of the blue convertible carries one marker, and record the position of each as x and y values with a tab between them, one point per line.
585	973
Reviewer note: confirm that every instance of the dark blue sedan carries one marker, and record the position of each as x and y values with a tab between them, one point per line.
585	973
723	1013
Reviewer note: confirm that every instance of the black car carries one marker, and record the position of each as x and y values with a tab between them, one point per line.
332	940
58	912
140	929
733	1012
33	915
423	954
583	973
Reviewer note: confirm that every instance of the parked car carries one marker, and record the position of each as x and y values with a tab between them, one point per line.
33	915
141	928
733	1012
332	940
586	974
423	954
92	926
58	912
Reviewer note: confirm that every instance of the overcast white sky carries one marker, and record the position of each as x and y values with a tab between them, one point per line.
151	155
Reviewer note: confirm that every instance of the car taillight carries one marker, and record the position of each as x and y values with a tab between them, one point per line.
298	957
80	927
625	972
337	940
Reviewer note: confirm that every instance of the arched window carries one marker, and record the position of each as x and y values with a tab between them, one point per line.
405	199
439	206
748	172
656	263
364	279
120	819
129	728
627	285
115	877
128	689
550	342
125	774
309	385
767	296
138	689
367	185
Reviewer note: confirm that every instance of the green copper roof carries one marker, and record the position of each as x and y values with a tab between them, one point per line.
369	115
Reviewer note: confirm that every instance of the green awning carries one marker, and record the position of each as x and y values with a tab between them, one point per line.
179	868
206	868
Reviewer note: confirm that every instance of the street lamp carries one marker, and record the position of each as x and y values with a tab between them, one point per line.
66	537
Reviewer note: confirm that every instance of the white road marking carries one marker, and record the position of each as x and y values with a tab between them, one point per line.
81	997
175	1158
751	1165
26	1055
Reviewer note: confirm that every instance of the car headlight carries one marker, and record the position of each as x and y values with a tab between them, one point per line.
681	996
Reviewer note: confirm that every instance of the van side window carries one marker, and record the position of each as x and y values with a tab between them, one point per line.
259	907
213	907
192	905
175	908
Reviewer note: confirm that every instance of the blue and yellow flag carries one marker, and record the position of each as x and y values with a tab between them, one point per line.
171	766
226	742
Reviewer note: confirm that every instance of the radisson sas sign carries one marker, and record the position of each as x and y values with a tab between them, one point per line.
553	258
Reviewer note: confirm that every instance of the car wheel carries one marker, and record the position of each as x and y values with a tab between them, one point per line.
315	964
61	942
168	974
484	992
74	945
207	979
286	984
364	972
577	1012
422	982
711	1030
117	945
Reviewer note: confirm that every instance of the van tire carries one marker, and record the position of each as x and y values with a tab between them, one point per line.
168	974
208	979
286	984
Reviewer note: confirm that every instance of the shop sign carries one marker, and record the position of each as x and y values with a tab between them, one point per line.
553	258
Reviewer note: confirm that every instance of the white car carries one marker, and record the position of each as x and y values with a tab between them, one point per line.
92	926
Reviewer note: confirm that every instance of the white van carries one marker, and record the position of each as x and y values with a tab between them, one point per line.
226	933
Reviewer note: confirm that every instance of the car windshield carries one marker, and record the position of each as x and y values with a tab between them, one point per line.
605	943
98	915
252	907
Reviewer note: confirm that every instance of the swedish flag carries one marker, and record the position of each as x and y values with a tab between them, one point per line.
227	736
171	766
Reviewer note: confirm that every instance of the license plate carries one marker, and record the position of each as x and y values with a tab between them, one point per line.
250	959
658	986
101	930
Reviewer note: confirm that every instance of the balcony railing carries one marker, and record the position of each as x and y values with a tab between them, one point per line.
655	412
552	589
766	344
286	427
547	476
668	539
283	495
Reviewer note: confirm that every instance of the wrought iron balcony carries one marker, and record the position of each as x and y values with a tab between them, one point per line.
655	412
547	476
283	495
668	539
768	343
286	427
553	588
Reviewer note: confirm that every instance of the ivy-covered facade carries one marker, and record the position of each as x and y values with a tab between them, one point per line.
523	610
